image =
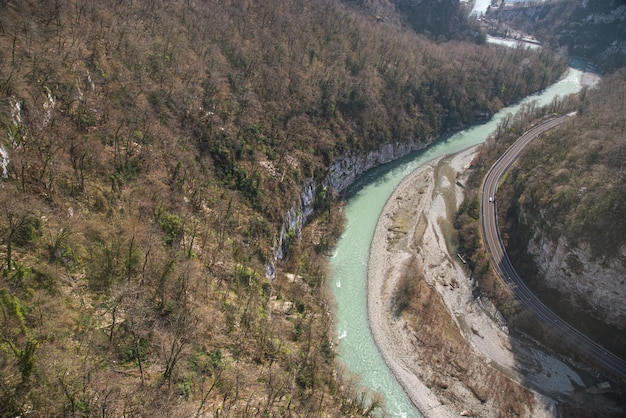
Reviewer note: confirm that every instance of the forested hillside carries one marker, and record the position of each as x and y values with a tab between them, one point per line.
575	179
566	211
149	152
591	29
561	213
440	20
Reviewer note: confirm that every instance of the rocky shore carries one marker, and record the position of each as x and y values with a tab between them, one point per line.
449	349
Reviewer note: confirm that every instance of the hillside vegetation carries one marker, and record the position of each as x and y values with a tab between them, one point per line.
442	20
566	214
573	182
592	29
149	152
561	212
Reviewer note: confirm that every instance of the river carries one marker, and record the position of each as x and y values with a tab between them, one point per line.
348	277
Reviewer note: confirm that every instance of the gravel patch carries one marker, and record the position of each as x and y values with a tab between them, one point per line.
478	320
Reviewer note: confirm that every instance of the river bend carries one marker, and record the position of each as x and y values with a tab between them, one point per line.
348	278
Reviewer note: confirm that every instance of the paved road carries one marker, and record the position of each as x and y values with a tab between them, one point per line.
493	241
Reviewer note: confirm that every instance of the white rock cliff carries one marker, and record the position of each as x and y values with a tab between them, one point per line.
342	173
576	275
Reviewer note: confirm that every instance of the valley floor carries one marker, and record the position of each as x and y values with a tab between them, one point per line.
441	379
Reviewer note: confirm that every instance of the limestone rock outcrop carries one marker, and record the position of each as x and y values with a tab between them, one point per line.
597	286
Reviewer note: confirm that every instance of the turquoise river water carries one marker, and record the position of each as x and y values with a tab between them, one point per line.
348	278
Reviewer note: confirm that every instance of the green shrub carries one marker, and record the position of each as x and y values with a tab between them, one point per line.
172	225
28	230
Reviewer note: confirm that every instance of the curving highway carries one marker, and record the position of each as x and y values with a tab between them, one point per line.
607	361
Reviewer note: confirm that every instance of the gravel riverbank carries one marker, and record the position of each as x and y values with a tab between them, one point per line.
411	229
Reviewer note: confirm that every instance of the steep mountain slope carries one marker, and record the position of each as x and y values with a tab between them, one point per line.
592	29
150	151
560	210
441	19
570	194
